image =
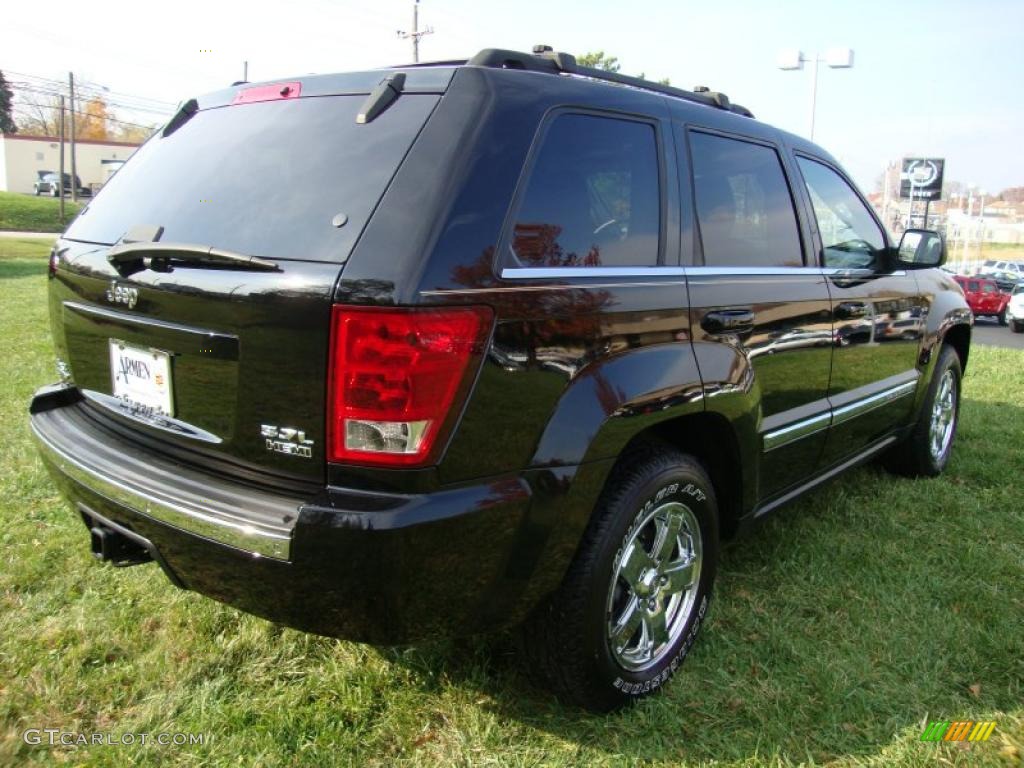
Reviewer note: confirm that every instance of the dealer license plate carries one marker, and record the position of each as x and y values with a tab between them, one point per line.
142	378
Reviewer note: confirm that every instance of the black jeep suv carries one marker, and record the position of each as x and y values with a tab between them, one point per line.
451	348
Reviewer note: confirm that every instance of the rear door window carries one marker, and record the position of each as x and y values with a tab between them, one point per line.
593	196
744	207
263	179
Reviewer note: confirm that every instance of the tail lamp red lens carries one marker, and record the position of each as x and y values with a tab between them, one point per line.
395	377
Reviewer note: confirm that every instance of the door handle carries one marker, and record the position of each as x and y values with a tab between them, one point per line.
728	321
848	310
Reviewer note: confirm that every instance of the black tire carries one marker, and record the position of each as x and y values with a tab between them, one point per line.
567	639
1002	317
916	456
1017	326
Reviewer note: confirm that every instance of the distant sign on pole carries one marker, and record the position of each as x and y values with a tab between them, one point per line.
921	178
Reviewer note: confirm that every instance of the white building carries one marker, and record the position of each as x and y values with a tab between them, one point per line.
22	157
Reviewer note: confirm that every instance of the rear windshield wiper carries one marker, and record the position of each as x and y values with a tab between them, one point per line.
381	97
129	257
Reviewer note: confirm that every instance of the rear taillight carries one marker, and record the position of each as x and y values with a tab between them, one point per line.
396	376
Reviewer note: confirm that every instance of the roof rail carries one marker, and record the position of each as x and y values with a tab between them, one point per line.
544	59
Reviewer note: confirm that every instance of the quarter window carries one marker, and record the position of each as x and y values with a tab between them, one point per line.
593	196
849	235
744	208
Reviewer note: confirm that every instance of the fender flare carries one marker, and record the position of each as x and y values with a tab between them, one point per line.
611	402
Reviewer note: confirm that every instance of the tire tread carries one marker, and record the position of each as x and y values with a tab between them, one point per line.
552	637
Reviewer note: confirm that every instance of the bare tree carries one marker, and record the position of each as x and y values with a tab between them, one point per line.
38	114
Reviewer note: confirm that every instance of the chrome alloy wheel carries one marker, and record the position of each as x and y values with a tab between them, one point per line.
654	586
943	416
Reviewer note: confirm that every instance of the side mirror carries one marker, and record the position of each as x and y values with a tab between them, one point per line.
921	249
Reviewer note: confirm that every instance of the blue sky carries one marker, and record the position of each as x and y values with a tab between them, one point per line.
933	78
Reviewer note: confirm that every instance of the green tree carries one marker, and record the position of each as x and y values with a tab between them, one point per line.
597	60
6	118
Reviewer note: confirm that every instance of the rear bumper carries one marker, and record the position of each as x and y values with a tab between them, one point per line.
76	448
374	567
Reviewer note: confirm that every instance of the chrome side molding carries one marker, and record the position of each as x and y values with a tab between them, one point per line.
867	404
797	430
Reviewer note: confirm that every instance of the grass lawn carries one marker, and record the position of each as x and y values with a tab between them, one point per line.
998	251
839	629
26	213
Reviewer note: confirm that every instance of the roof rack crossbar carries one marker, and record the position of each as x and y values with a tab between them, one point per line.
544	59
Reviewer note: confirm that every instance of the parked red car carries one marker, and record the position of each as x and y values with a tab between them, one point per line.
984	297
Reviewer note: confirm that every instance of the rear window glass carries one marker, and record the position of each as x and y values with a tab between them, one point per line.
744	207
593	196
263	179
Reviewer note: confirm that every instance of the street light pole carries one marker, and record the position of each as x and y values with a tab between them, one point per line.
835	58
814	93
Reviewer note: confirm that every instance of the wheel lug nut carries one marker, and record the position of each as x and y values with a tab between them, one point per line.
652	604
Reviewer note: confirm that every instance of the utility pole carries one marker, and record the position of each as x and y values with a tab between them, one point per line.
60	184
74	173
416	33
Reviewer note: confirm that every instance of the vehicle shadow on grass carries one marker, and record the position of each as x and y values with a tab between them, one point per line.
839	628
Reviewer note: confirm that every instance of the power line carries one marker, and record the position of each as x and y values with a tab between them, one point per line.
79	112
89	84
130	102
39	91
50	91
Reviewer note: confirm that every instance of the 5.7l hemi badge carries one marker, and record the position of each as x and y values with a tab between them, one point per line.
291	442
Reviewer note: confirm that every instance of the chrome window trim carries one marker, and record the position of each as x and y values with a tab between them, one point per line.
527	273
798	430
739	271
257	540
521	273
